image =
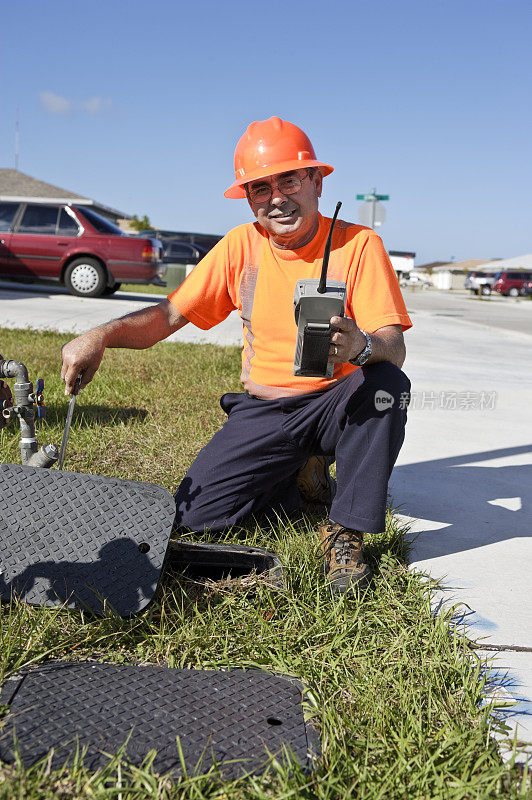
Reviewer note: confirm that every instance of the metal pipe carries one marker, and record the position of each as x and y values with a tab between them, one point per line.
13	369
23	408
45	457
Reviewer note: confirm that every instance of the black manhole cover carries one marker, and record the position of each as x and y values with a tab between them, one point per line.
82	540
233	718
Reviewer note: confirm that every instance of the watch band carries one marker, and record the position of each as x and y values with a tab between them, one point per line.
365	353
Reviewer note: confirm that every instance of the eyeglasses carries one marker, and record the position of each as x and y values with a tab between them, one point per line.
289	183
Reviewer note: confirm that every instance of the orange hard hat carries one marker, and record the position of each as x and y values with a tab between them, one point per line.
268	147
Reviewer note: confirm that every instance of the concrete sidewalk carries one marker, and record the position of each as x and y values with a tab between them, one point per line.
53	308
464	482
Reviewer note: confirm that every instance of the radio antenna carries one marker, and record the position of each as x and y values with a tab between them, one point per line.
323	279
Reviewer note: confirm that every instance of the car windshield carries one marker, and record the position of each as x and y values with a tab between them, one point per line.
98	222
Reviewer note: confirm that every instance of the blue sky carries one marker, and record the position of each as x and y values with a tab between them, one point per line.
140	105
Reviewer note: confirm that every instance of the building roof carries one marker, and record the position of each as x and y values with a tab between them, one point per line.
518	262
432	265
464	266
459	266
15	185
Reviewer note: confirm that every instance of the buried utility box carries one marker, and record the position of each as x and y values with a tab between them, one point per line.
215	562
236	719
95	543
176	274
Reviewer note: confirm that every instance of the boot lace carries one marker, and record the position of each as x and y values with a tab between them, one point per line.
343	547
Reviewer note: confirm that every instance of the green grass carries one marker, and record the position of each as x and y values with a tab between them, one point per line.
395	696
143	288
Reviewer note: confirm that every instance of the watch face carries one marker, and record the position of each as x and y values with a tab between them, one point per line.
359	360
364	354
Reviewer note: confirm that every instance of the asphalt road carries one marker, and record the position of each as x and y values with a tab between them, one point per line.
50	307
504	313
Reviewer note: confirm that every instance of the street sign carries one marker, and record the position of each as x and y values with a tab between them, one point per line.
379	214
371	214
373	197
365	214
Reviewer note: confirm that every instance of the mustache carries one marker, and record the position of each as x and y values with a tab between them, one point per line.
281	212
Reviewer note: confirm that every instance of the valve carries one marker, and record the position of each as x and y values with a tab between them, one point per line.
23	408
39	399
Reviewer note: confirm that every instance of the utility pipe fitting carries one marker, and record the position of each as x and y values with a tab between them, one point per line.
25	398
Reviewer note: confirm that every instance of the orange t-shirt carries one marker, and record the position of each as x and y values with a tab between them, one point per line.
245	271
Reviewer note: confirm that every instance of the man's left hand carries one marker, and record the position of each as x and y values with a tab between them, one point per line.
347	342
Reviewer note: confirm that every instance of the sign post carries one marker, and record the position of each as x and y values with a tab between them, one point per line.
372	212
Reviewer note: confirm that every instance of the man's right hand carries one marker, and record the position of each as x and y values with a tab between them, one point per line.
137	330
82	356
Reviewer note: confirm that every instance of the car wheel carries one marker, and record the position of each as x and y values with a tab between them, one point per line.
86	277
111	289
514	292
486	290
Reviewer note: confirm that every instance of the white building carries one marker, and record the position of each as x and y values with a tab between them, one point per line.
453	275
401	261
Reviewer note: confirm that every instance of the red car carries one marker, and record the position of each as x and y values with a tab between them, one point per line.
511	283
74	245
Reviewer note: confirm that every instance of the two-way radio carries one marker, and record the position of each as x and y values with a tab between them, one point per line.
315	302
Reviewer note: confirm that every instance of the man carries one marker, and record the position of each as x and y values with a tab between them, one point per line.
281	423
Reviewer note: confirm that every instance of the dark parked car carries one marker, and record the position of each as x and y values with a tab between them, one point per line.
182	253
511	282
74	245
527	288
205	241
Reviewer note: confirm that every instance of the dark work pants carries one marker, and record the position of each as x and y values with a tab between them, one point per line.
249	467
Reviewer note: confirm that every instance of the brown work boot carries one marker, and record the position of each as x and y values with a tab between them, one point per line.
314	482
345	565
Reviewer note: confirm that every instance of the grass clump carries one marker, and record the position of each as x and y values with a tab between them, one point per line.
394	695
143	288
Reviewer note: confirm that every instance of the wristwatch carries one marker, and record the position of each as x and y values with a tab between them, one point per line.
360	360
